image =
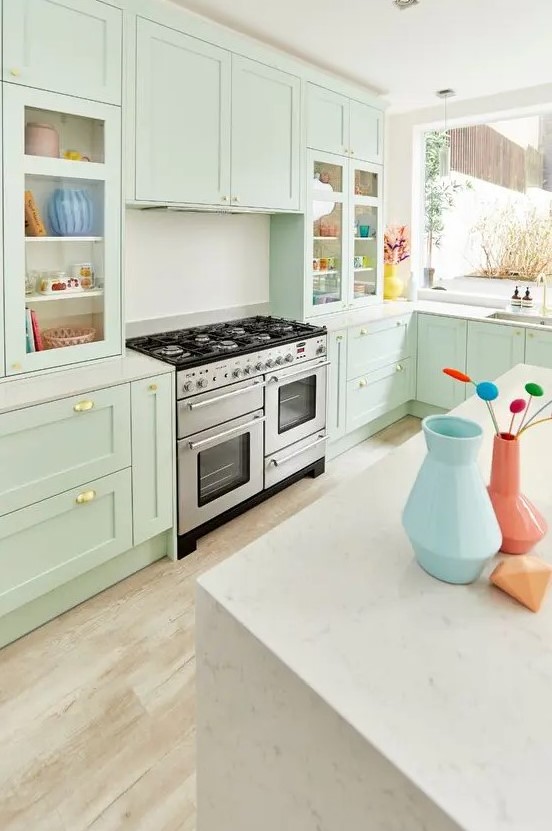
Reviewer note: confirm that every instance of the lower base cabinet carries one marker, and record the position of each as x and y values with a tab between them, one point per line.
57	539
378	393
538	348
442	342
337	385
152	456
493	349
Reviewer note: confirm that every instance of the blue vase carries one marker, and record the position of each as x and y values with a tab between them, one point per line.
70	212
449	518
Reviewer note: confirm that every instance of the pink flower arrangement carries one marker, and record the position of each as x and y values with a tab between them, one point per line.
396	244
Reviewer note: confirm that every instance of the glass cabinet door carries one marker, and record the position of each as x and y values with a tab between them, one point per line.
62	209
326	240
366	255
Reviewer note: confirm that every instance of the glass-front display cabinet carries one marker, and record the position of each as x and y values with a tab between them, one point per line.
344	235
62	224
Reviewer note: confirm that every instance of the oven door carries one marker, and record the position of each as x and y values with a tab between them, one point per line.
218	469
295	404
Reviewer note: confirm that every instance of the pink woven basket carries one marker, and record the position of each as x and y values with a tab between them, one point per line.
67	336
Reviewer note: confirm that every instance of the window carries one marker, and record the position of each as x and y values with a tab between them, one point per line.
488	225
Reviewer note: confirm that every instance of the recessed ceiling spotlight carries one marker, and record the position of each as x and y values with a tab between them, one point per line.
404	4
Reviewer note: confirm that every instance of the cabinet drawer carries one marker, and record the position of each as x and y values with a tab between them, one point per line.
378	393
49	448
376	345
56	540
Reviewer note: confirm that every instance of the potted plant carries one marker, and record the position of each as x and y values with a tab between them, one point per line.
396	249
439	197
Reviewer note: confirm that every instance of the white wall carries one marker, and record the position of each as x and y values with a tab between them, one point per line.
401	130
178	263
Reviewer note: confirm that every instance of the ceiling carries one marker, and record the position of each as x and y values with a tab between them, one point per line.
477	47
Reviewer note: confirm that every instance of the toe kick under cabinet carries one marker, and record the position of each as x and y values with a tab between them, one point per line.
84	479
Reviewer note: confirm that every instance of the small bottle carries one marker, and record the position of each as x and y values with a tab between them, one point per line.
516	299
527	302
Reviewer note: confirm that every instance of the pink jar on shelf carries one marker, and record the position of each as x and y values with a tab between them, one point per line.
41	140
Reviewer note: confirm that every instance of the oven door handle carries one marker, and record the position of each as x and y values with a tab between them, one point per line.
278	462
303	371
256	386
195	445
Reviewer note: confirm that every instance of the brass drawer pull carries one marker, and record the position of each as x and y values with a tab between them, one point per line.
152	387
83	406
84	497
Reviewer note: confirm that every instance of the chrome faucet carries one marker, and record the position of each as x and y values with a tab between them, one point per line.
544	280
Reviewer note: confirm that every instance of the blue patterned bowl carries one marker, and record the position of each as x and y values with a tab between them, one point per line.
70	212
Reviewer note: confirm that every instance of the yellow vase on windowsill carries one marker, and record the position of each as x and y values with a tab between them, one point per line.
393	286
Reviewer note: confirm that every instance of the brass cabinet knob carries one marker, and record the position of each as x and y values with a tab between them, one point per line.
235	199
530	334
339	338
152	388
399	368
83	406
84	497
364	331
224	199
15	72
16	366
363	382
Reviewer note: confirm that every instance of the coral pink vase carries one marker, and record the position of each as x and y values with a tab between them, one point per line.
522	525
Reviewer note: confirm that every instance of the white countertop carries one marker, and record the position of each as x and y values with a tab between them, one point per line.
397	308
452	684
49	386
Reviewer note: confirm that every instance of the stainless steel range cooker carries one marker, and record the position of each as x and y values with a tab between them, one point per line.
251	414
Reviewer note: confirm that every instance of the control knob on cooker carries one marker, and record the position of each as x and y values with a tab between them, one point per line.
321	350
259	367
289	358
247	370
187	387
270	363
279	360
237	373
201	383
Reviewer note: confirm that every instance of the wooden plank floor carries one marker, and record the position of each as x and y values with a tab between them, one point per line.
97	708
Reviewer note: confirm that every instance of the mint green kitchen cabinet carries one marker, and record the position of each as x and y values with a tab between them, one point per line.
365	132
376	394
337	124
337	385
265	136
57	539
378	344
442	342
153	452
538	348
68	46
89	230
493	349
51	447
327	120
183	95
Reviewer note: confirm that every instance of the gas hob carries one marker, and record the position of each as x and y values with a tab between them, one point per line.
187	348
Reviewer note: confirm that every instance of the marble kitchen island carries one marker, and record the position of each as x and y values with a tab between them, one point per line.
340	688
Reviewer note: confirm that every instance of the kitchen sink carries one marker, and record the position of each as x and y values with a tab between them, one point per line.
522	319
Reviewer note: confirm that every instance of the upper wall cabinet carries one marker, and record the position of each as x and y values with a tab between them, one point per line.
228	134
182	126
67	46
265	136
337	124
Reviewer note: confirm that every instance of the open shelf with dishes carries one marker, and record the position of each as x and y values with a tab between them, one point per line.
64	240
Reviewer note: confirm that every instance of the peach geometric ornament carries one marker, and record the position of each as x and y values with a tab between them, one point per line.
525	578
